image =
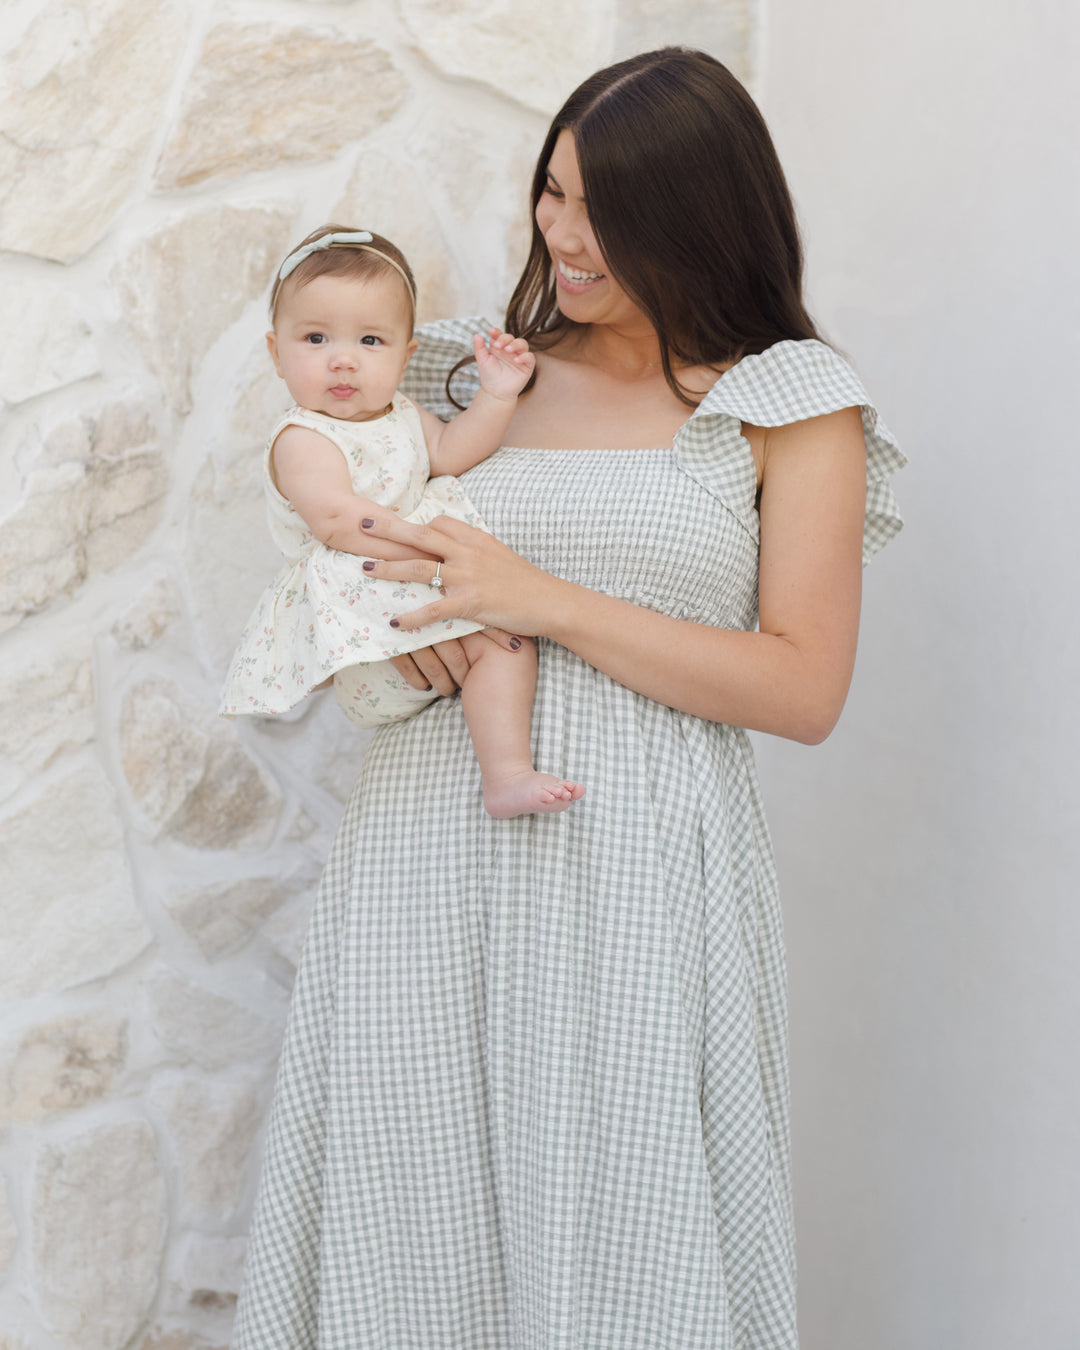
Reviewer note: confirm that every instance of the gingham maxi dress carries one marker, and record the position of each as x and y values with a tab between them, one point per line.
533	1092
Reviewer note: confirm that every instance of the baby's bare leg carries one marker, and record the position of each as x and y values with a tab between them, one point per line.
497	699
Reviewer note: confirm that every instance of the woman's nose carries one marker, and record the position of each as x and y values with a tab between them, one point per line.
563	234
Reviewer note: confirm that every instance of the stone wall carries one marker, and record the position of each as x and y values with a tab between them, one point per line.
157	157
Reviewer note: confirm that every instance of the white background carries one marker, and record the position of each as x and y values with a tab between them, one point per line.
930	850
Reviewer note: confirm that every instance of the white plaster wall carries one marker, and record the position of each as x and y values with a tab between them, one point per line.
930	850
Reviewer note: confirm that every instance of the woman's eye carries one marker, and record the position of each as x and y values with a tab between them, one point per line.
550	191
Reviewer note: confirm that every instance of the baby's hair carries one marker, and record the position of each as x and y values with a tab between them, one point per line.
365	261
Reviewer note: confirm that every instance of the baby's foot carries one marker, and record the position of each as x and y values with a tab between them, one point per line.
528	792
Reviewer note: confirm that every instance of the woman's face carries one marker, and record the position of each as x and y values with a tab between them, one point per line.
586	291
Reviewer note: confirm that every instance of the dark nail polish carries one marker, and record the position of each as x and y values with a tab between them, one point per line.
515	643
395	623
428	688
368	523
369	566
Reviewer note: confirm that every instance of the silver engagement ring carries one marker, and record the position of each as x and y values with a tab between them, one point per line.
436	583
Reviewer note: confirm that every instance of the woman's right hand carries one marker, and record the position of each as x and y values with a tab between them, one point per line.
443	667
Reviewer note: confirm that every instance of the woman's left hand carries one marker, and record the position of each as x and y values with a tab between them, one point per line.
483	580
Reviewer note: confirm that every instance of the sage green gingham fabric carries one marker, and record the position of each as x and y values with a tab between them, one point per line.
533	1093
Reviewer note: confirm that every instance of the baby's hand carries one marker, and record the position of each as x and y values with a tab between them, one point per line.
504	362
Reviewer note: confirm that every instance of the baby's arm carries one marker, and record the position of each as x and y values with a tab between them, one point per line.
505	365
311	472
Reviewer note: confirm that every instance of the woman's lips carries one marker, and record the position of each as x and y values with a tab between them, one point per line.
576	279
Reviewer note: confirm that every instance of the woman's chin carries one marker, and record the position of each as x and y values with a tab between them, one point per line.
576	308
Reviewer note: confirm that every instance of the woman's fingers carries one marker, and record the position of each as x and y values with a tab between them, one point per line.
502	638
420	618
417	570
410	672
445	665
482	580
384	524
431	538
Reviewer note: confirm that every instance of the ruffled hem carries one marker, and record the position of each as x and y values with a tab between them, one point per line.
323	614
315	620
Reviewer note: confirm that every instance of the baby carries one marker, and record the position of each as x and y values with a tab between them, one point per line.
342	312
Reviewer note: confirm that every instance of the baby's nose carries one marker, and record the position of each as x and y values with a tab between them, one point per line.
343	358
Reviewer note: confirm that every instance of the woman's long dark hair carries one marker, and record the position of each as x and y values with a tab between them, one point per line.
690	209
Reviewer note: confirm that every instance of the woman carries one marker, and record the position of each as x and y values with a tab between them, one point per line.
534	1087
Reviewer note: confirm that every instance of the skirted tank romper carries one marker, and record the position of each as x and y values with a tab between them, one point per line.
533	1093
322	614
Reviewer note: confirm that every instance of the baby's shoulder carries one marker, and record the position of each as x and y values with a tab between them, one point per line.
302	421
297	436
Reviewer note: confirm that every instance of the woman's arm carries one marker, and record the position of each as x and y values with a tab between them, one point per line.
312	473
790	678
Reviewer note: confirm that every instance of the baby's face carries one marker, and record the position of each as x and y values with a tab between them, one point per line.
341	344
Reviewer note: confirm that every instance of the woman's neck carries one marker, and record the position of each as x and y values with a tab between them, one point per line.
631	355
621	353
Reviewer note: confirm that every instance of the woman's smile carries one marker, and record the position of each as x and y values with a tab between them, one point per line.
576	280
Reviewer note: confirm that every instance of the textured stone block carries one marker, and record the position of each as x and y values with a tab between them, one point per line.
229	556
41	543
46	703
177	1338
61	1066
69	910
723	28
199	1027
536	60
163	750
211	1270
481	189
80	97
287	929
387	195
99	1230
55	346
234	805
148	618
212	1127
206	790
91	497
222	917
263	96
261	398
9	1233
233	252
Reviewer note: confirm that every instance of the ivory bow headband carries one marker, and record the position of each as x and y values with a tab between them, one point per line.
355	239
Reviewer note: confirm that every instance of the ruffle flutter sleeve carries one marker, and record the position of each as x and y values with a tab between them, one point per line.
789	382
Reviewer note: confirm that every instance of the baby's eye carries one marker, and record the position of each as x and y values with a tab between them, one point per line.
316	339
370	340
